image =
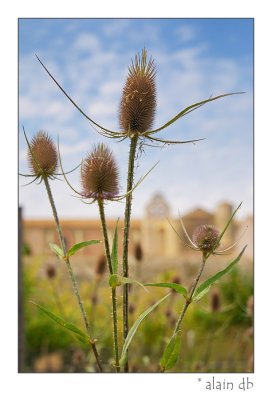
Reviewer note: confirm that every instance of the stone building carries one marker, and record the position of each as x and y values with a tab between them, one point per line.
155	232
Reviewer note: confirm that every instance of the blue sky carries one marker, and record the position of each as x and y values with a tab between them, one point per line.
195	58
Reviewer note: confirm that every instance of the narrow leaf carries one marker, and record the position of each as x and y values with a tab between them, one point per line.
217	276
199	296
175	286
189	109
72	101
63	323
171	352
225	228
135	326
79	246
114	250
57	250
118	280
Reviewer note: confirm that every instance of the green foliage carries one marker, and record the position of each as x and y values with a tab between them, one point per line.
118	280
80	245
171	352
175	286
204	287
135	326
57	250
79	334
114	251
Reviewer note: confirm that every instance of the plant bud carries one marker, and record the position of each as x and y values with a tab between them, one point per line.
42	155
138	102
99	174
205	237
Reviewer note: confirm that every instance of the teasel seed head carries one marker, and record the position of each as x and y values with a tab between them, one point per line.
138	252
138	102
101	266
99	174
215	300
205	237
50	271
42	155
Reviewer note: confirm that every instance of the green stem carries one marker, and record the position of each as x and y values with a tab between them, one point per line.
189	300
71	273
113	290
130	177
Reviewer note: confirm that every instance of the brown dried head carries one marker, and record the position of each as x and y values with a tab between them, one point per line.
138	102
42	155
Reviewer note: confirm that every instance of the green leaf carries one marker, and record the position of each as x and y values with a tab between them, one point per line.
57	250
217	276
189	109
175	286
135	326
171	352
83	337
114	250
79	246
118	280
114	280
197	297
225	228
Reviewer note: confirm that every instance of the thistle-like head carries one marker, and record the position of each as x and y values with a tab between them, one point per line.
205	237
42	155
138	102
100	174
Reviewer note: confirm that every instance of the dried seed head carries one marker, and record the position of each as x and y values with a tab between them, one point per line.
50	271
42	155
205	237
99	174
138	252
138	102
101	266
215	300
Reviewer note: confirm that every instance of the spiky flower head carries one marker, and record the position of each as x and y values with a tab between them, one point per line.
138	102
205	237
42	155
99	174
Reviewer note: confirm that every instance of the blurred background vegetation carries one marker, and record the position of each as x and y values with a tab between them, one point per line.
217	333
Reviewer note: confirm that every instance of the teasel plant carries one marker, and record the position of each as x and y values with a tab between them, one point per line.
136	116
43	163
100	184
206	240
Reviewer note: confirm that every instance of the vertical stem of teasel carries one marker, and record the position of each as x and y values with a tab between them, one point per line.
71	273
130	177
113	290
189	300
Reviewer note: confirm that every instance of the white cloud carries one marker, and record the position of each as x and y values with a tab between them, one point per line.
184	76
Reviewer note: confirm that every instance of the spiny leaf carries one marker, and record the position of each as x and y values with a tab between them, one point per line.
57	250
79	246
114	250
63	323
171	352
175	286
135	326
217	276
